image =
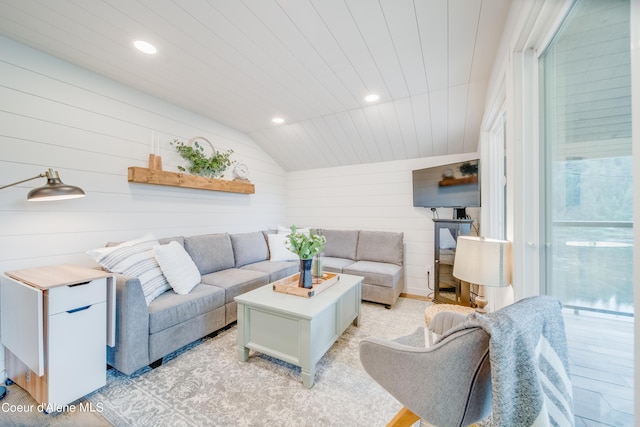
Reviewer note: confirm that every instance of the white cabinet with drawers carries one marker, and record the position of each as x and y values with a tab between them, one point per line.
56	323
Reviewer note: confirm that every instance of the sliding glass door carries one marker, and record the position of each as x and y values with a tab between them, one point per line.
587	202
587	137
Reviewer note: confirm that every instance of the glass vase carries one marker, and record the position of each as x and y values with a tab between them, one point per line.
305	280
316	268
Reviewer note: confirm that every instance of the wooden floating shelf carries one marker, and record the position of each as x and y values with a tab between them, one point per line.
173	179
446	182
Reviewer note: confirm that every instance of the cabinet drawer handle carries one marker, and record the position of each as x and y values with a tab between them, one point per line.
80	284
75	310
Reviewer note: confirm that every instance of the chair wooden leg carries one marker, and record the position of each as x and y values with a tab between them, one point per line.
404	418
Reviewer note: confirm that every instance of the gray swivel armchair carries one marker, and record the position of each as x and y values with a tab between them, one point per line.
512	364
446	384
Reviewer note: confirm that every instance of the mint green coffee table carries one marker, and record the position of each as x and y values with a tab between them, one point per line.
296	329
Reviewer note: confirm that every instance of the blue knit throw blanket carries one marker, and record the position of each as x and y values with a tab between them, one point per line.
530	378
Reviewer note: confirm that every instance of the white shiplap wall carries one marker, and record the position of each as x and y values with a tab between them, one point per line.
90	129
375	196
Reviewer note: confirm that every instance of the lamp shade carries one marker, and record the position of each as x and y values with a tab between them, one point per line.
54	189
483	261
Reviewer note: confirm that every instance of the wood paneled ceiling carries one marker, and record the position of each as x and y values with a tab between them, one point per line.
311	62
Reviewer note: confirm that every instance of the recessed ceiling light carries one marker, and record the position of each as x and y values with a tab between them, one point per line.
145	47
372	97
277	120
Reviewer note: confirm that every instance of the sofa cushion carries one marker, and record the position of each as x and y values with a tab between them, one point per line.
380	246
171	309
236	281
177	266
340	243
376	273
210	252
249	248
335	265
135	258
275	269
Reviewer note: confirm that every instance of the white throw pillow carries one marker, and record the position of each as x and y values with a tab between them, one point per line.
178	267
135	258
278	250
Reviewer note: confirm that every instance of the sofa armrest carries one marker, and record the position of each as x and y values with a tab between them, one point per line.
131	351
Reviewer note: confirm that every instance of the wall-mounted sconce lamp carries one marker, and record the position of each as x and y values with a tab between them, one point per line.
54	189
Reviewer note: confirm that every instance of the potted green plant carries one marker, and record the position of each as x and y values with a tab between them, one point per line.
306	247
200	163
468	168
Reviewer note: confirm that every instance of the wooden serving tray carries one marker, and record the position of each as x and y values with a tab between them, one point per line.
289	285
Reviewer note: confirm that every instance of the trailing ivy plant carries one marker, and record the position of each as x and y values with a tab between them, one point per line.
201	164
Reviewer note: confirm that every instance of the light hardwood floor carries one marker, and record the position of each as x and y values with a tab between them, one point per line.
601	358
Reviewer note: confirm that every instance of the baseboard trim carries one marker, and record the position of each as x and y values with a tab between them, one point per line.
418	297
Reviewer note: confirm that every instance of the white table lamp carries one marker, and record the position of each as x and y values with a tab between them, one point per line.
483	261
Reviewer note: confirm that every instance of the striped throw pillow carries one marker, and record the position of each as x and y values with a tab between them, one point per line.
135	258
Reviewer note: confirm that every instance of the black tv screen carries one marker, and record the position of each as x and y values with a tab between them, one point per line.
456	185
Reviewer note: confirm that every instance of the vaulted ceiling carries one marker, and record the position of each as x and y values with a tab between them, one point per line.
310	62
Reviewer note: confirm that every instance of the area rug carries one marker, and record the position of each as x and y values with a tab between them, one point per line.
206	384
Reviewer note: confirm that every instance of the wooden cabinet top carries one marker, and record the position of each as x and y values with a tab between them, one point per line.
57	275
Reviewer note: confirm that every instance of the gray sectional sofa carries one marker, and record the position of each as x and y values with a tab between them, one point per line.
378	256
229	265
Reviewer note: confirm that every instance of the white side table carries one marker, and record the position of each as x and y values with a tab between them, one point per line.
56	321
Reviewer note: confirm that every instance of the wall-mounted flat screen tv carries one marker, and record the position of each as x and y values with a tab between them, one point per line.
455	185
